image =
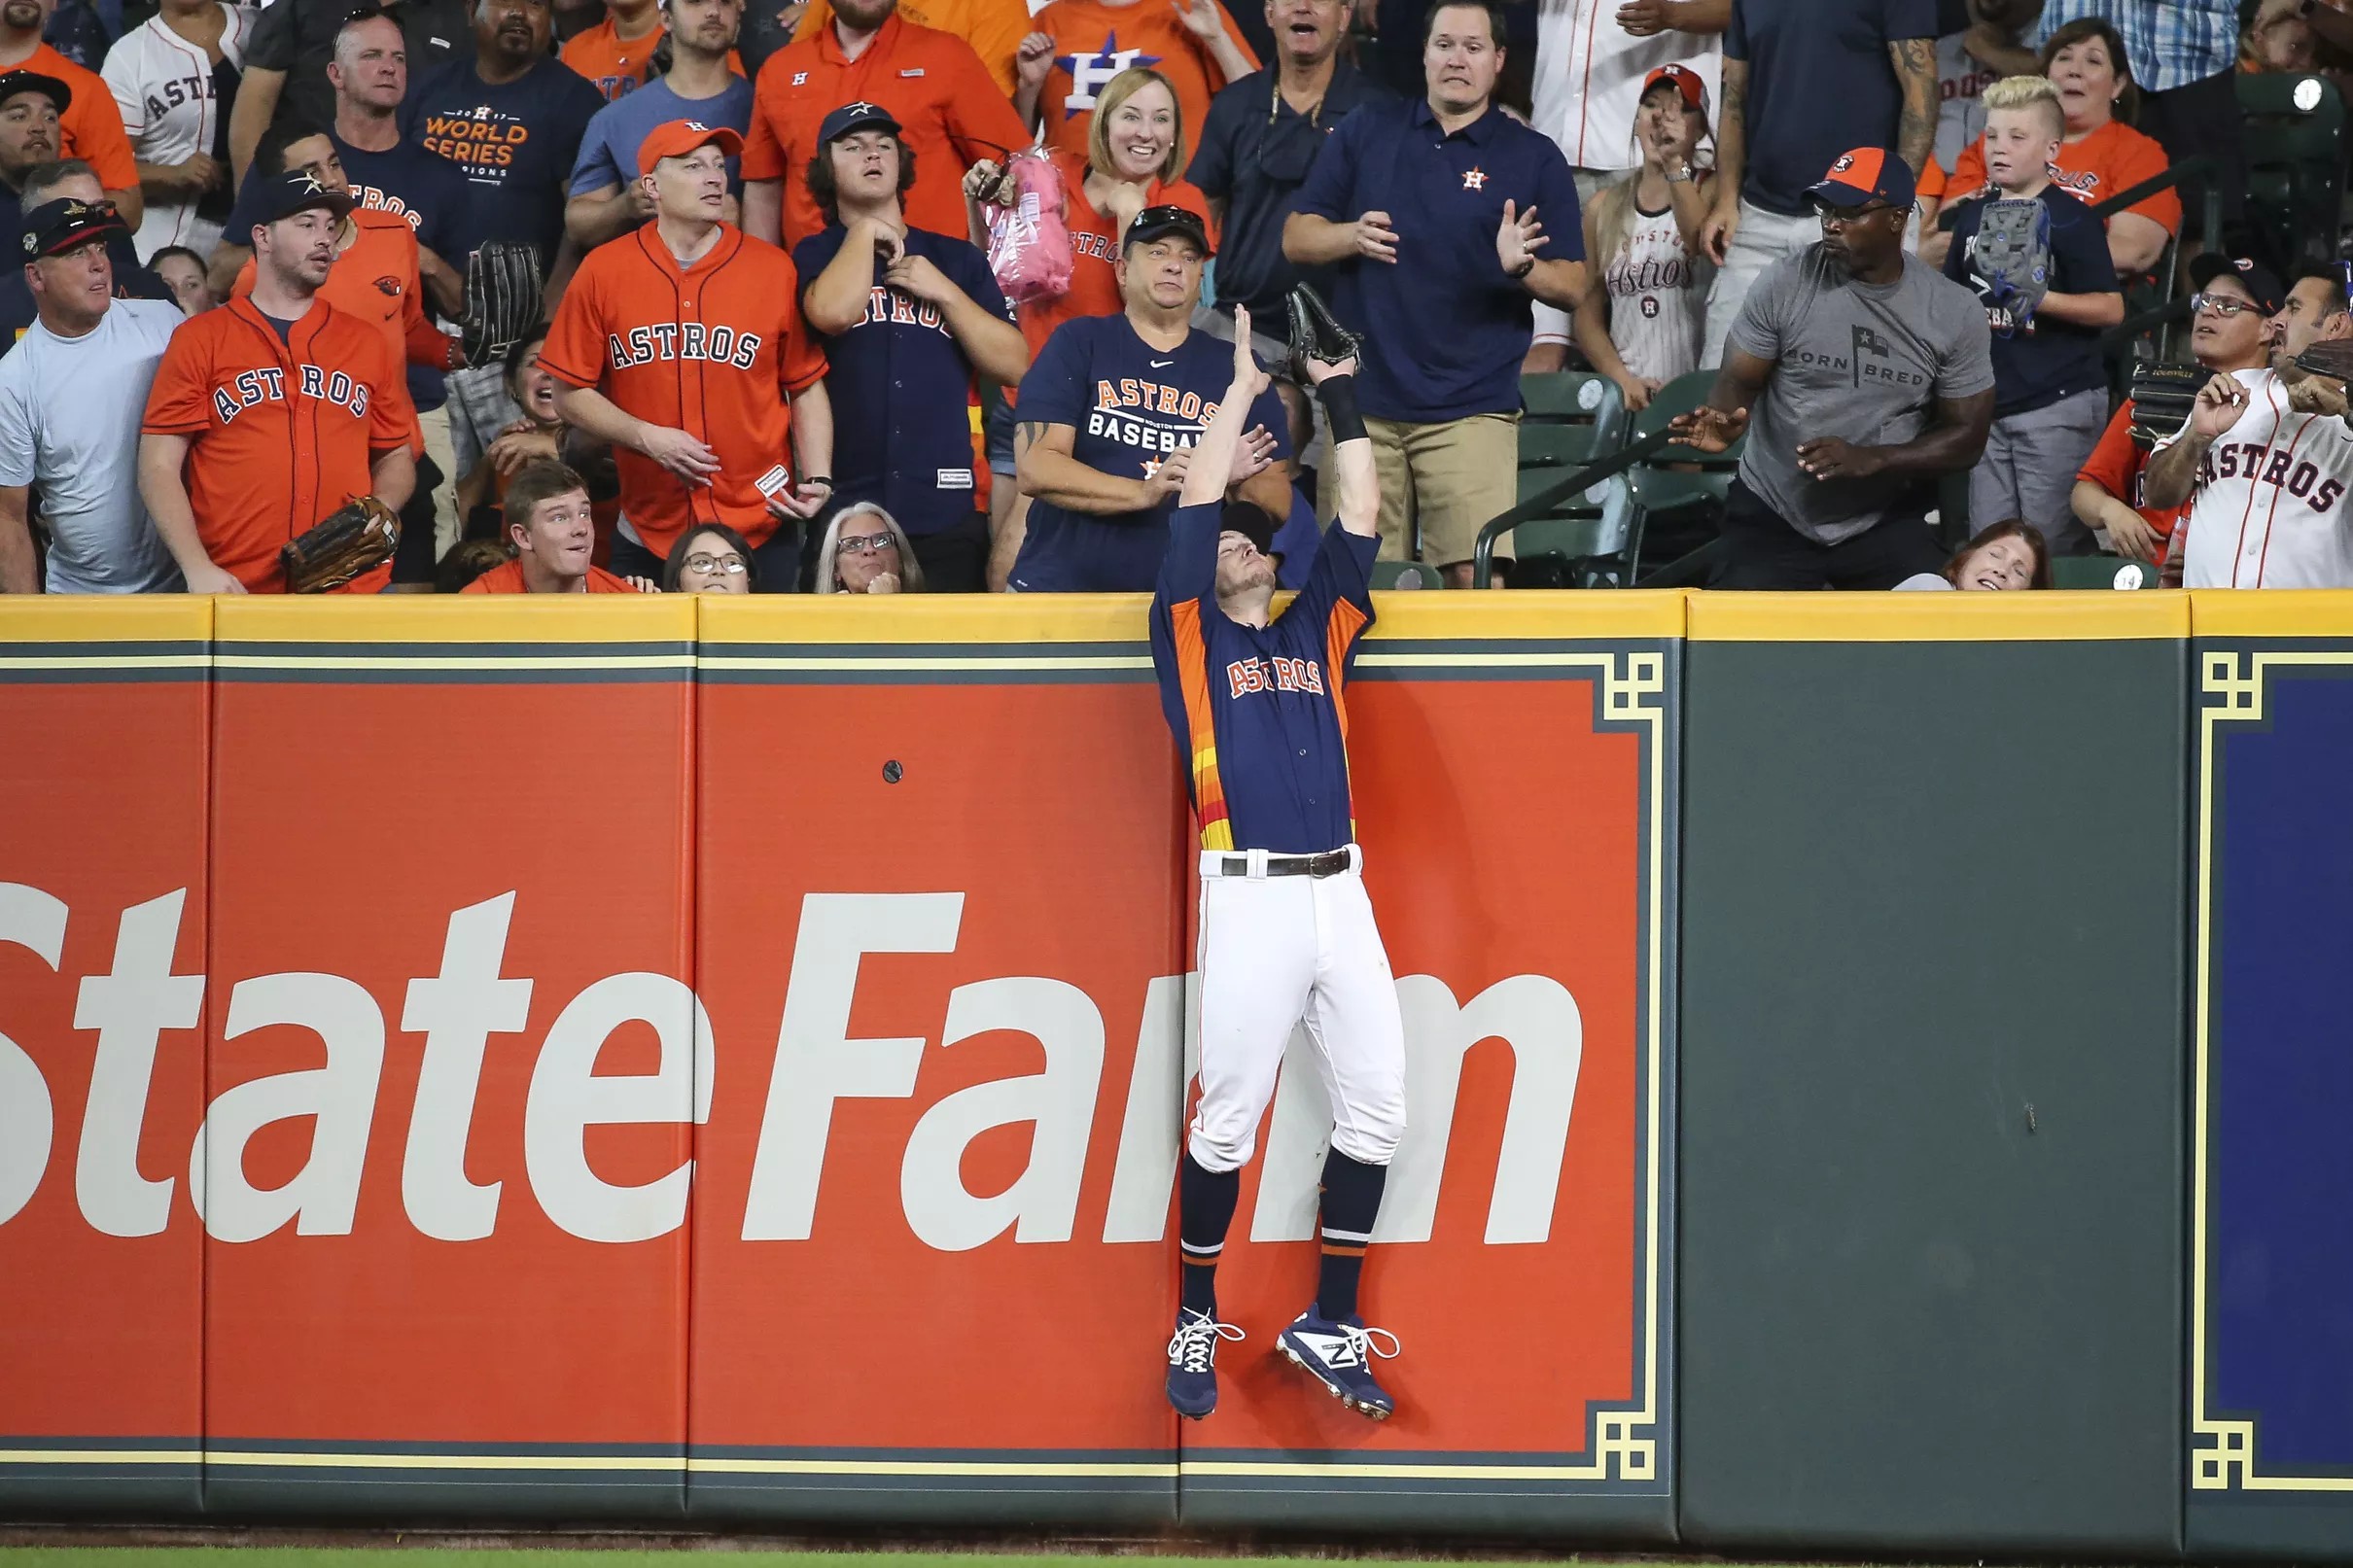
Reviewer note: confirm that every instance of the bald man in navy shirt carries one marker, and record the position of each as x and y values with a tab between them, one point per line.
1444	218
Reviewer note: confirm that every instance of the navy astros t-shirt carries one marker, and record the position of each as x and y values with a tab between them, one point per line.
1130	405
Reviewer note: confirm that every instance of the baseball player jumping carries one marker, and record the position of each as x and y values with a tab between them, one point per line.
1257	704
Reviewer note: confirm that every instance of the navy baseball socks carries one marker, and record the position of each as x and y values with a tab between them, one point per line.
1329	1342
1204	1208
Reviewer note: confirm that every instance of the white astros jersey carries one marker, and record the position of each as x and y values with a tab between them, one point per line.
1589	78
2269	508
1657	298
163	85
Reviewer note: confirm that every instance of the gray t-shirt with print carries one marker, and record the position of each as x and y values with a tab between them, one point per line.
1864	361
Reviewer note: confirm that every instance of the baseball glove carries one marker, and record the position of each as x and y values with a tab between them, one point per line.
1316	334
348	542
2161	395
2011	261
2329	356
503	300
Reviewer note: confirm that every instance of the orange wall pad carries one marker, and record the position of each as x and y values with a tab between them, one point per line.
729	1058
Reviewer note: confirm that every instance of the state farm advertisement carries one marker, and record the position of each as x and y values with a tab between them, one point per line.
762	1076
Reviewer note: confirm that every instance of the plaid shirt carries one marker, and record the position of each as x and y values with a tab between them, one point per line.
2168	43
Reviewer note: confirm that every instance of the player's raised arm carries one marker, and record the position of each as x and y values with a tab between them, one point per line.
1328	352
1212	466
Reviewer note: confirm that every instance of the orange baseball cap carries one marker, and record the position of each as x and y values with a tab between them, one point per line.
1864	175
1687	82
676	138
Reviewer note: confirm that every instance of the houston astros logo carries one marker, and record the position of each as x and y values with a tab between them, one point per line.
1092	72
1474	179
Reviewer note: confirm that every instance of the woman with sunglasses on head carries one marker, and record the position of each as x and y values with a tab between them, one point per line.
865	550
1136	155
711	558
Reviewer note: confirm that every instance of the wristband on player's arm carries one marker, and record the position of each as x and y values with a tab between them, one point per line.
1338	395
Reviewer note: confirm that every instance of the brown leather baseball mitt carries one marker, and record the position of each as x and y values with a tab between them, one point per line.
348	542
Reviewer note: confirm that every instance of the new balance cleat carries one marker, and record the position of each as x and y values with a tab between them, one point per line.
1193	1362
1339	1355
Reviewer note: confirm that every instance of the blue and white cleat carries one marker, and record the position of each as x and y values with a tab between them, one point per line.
1340	1356
1193	1362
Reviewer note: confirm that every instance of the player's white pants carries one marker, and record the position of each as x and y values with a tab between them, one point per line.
1279	951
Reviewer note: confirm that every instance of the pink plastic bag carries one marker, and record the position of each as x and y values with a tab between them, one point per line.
1030	241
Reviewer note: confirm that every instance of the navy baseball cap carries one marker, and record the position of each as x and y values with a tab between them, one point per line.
1158	223
1866	175
1253	522
297	192
55	91
57	226
856	117
2262	283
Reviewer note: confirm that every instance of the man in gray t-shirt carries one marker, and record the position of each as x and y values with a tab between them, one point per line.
72	393
1868	375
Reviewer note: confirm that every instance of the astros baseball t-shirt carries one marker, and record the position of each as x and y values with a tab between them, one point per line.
1860	361
1128	406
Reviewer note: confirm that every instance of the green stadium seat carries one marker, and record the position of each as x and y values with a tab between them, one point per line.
1584	540
1679	488
2295	161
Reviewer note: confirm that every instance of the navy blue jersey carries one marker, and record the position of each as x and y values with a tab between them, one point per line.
515	143
900	385
1262	715
1130	404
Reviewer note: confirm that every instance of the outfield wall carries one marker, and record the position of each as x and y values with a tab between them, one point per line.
721	1060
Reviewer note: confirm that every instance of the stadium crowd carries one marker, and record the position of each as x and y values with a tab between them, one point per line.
890	296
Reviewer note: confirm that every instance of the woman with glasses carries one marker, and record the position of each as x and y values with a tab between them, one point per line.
865	550
711	559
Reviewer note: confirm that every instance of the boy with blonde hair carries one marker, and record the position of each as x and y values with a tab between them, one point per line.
2039	259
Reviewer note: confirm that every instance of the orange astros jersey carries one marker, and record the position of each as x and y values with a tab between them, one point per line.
375	279
281	432
614	65
713	349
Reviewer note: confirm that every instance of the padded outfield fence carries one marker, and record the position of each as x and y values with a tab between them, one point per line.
1876	1071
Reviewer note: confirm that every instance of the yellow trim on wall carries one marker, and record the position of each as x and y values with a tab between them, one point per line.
105	618
445	618
2271	612
1937	617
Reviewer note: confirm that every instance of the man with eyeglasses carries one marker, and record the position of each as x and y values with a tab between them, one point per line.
2230	331
1870	376
1256	145
2265	459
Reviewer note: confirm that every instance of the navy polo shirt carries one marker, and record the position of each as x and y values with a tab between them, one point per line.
1820	83
1255	152
1260	713
1445	328
902	387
